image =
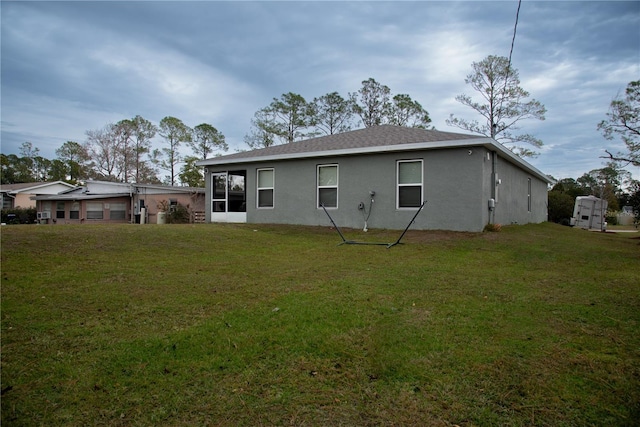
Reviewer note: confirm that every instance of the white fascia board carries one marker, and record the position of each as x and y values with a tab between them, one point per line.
43	185
488	143
77	197
345	152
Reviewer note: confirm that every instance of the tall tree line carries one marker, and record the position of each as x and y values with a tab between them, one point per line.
121	152
292	118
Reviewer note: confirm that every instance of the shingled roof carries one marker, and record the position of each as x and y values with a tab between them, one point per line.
360	140
375	139
30	186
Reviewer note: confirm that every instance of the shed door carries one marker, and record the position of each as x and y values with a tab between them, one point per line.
229	196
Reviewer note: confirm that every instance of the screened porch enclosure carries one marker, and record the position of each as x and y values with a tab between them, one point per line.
229	196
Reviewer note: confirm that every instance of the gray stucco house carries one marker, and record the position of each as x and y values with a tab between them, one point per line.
382	174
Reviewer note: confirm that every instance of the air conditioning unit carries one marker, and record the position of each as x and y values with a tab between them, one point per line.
44	215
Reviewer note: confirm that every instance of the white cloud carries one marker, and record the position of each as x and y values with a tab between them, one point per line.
186	86
72	66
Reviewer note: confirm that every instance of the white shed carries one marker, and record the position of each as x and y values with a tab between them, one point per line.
589	213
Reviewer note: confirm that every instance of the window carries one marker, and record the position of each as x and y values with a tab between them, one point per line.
265	186
60	210
118	210
46	207
94	210
409	184
7	202
74	213
228	191
328	186
236	194
219	192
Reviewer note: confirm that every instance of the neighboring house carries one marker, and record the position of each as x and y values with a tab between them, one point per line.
467	181
112	202
21	195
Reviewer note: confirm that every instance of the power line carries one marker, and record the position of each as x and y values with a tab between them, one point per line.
494	126
515	28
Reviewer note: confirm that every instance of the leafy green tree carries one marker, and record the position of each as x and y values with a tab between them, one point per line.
38	165
286	119
42	168
7	172
605	183
174	133
143	133
633	198
123	132
560	207
623	120
294	115
503	105
73	157
372	102
333	114
568	186
207	139
30	155
263	129
15	169
190	174
148	173
58	171
404	111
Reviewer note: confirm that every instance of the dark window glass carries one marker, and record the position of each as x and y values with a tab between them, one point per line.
410	196
328	197
265	198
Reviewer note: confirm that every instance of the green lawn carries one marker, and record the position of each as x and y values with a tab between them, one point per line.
254	325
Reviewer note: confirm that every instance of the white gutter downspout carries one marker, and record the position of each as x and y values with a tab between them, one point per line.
494	183
132	217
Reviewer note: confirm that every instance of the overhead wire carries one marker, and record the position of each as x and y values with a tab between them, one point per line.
513	41
515	28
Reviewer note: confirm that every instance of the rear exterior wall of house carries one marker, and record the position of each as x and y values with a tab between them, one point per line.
456	184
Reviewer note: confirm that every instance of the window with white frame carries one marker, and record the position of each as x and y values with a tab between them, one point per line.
94	210
266	186
60	210
74	213
409	180
327	186
46	207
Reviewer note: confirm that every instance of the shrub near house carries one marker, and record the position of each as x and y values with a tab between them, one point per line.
18	216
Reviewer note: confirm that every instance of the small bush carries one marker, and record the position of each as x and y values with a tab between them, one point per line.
19	216
560	207
178	214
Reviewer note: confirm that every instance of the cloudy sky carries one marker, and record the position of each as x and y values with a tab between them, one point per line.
69	67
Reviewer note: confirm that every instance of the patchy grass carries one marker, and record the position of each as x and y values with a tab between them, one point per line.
276	325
